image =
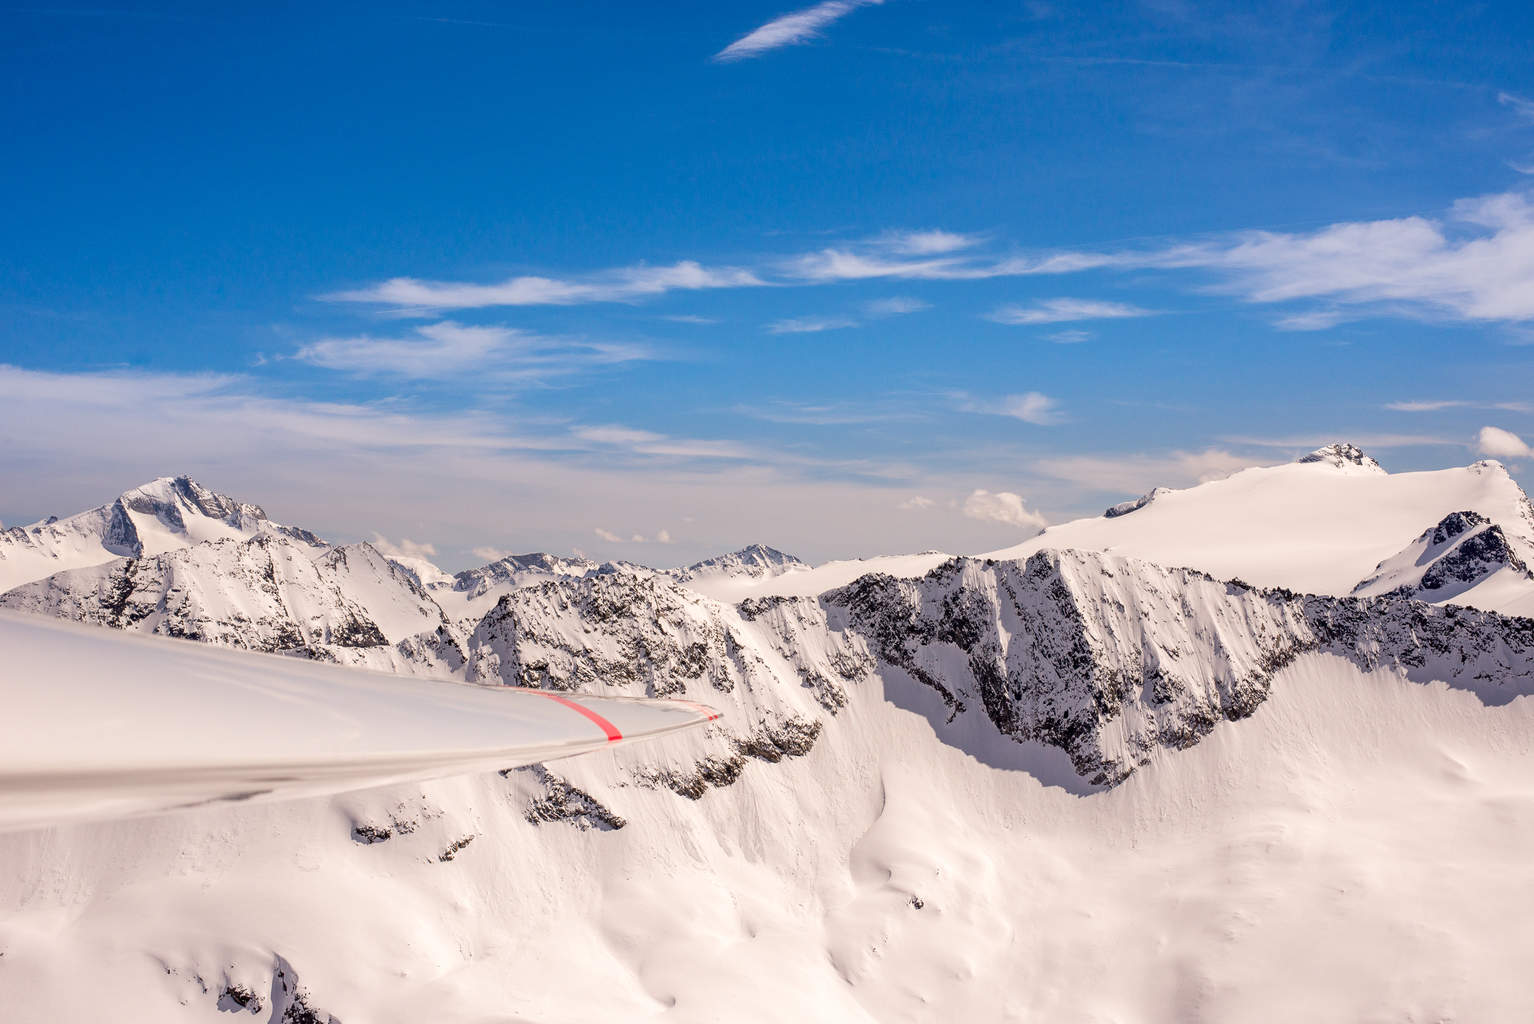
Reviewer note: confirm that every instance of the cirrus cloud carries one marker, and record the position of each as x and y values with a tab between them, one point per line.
789	29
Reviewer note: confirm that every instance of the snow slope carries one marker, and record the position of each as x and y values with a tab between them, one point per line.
1316	527
1355	851
102	724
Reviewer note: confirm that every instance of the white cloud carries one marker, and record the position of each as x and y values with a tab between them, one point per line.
1457	403
646	442
1317	320
1476	264
798	27
1424	406
1055	311
1001	507
847	264
1030	407
1138	473
1300	443
406	548
491	554
440	349
1499	443
926	243
829	414
1073	336
607	535
623	284
895	306
1524	108
449	349
663	537
616	435
916	501
810	325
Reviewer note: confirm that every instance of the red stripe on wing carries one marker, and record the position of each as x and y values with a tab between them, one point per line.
613	735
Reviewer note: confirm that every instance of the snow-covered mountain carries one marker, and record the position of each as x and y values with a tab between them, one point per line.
1111	770
756	561
1465	558
160	516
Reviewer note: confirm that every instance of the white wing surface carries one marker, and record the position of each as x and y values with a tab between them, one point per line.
99	724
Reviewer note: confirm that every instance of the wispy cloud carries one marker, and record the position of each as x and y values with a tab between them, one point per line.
1475	263
1367	441
810	325
863	263
1056	311
645	442
1457	403
1002	507
661	537
621	284
447	349
1521	105
1138	473
824	414
1318	320
406	548
926	243
790	29
896	306
1030	407
1072	336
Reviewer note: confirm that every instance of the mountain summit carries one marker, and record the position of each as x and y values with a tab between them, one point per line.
165	514
1340	454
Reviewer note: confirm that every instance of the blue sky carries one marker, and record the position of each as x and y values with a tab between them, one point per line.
845	278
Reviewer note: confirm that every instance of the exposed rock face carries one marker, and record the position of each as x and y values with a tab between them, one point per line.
1342	454
1460	551
1123	508
639	633
1109	658
1105	658
520	570
264	594
559	801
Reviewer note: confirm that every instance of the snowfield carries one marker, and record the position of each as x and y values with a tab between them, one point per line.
1258	750
1356	850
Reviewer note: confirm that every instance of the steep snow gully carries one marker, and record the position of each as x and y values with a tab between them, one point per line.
1255	750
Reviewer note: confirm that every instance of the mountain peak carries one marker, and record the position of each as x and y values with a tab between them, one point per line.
1340	454
751	560
183	491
